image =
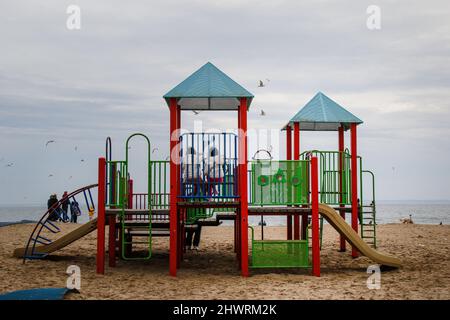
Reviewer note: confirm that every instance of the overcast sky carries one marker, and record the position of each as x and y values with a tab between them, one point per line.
107	79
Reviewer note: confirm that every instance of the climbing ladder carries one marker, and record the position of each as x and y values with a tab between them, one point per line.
367	213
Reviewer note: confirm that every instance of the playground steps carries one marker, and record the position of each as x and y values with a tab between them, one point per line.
368	224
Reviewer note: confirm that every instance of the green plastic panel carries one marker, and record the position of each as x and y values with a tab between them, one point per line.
279	182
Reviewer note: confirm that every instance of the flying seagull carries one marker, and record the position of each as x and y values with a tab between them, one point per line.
154	149
195	112
76	148
261	84
50	175
9	164
48	142
262	113
70	177
82	160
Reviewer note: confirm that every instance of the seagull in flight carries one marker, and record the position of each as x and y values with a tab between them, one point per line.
262	113
82	160
70	177
9	164
49	141
50	175
195	112
261	84
76	148
154	149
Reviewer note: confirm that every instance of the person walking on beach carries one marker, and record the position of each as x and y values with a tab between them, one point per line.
55	213
74	211
65	206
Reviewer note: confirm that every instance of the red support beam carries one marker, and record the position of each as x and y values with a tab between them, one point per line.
173	213
243	185
341	196
289	157
315	217
180	213
101	216
354	178
296	157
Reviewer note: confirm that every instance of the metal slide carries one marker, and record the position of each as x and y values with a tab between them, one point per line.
63	241
333	217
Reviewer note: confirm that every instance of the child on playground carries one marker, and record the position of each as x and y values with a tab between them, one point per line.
214	168
192	171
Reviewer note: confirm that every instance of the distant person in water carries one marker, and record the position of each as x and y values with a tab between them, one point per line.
74	211
54	214
65	206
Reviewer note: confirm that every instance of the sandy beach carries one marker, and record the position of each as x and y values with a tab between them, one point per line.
211	273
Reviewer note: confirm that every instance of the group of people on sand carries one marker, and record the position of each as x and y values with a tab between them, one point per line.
61	208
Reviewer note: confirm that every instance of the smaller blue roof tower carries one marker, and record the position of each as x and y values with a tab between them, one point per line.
323	114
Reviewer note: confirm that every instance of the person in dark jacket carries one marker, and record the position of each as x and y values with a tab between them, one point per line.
65	206
74	211
51	204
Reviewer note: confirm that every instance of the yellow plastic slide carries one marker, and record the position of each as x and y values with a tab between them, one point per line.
63	241
354	239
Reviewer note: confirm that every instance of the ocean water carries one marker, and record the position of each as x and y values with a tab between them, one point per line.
387	212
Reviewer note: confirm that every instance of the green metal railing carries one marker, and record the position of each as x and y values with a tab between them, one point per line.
334	174
146	223
160	184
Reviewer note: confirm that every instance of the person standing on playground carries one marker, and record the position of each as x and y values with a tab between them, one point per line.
192	172
65	206
193	233
214	167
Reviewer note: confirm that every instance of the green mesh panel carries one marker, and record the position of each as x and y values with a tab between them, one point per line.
279	182
280	253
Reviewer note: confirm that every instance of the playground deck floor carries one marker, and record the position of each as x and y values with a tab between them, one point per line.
211	273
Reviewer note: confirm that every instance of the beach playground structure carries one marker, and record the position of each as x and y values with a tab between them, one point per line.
209	178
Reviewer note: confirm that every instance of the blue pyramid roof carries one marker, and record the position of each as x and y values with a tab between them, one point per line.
208	88
323	114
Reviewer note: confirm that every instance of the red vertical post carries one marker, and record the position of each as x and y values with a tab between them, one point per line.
315	217
296	157
289	157
173	257
354	177
341	196
101	216
180	213
243	185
